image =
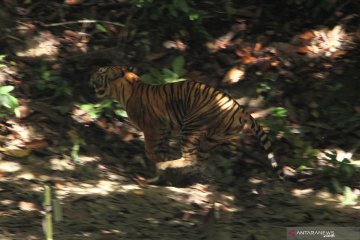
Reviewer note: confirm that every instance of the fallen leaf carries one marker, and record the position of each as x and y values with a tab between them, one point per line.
156	56
15	152
2	175
177	44
35	144
220	43
303	50
246	56
27	206
338	53
274	63
306	36
357	109
234	75
25	111
257	47
138	192
73	2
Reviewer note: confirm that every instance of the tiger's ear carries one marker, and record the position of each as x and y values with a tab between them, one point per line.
130	76
115	73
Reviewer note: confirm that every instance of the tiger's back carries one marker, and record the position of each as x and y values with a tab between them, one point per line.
181	105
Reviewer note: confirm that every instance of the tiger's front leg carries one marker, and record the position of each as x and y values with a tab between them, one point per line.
156	142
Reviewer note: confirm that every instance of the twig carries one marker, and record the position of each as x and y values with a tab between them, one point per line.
78	22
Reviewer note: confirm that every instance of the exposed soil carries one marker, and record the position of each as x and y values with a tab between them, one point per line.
263	58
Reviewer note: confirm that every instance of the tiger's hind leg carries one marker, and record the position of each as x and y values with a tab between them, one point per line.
188	169
189	151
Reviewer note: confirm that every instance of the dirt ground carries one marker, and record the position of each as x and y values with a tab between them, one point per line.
96	165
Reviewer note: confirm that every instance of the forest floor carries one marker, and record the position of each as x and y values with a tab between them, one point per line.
95	161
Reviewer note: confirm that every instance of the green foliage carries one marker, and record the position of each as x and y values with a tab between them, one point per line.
266	85
166	75
304	154
176	17
101	28
2	56
277	123
340	173
317	8
343	117
278	112
8	103
77	142
175	8
341	170
350	198
50	81
104	107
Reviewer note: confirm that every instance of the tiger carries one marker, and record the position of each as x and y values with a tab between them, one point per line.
203	116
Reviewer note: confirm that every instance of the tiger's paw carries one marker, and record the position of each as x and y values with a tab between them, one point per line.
178	163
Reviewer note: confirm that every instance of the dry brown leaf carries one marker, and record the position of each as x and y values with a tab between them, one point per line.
73	2
156	56
258	47
177	44
303	50
138	192
36	144
274	63
234	75
15	152
307	36
338	53
27	206
246	56
357	109
25	111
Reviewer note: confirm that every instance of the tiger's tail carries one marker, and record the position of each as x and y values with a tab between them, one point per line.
264	140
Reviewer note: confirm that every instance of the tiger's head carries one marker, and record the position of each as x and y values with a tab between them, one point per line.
101	80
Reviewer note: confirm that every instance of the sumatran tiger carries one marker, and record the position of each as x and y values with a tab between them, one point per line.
202	116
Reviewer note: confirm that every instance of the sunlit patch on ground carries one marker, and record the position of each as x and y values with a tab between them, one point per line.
44	45
324	42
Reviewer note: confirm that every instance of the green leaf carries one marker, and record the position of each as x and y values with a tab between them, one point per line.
347	170
178	65
101	28
13	101
147	78
121	113
172	11
336	184
194	16
2	56
278	112
17	112
167	72
4	101
87	107
155	73
350	198
6	89
182	5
